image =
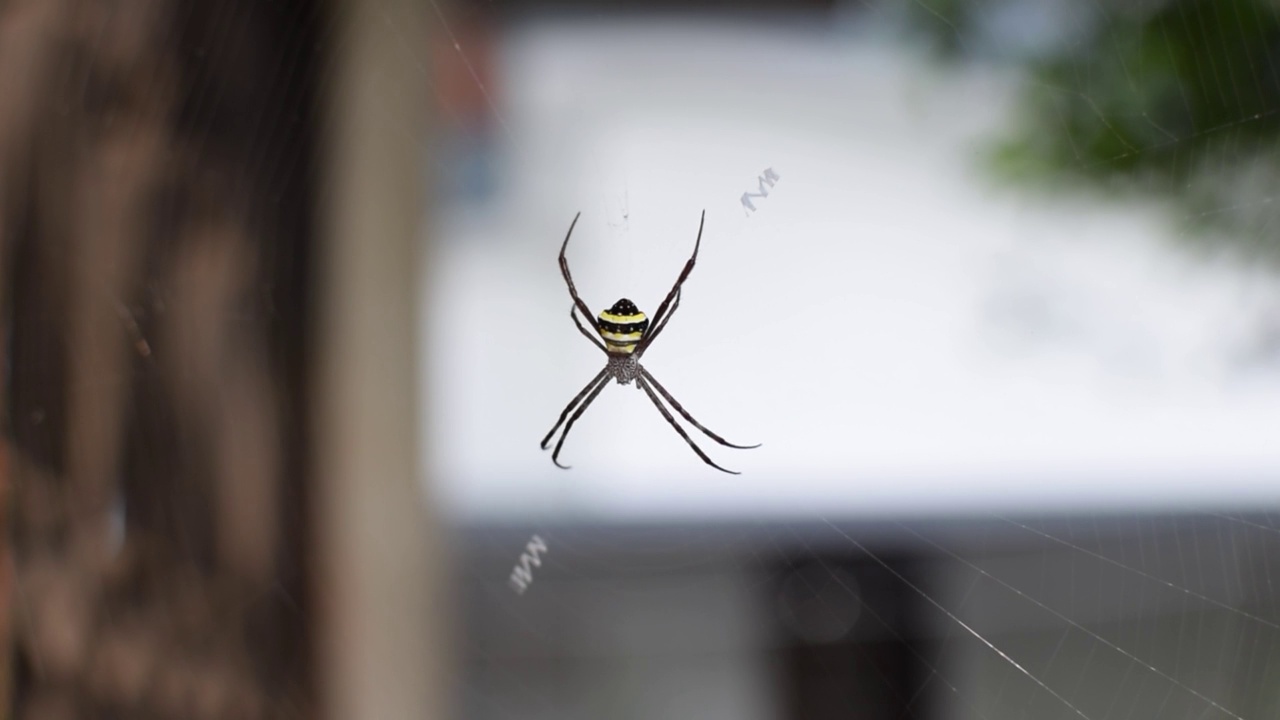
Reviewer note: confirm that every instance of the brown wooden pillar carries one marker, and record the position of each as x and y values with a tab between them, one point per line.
208	222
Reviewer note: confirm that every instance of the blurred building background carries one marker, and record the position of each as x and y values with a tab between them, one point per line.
1005	322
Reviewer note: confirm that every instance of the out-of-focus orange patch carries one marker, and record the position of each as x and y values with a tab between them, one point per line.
462	69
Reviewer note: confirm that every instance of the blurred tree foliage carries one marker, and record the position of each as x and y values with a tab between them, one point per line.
1175	97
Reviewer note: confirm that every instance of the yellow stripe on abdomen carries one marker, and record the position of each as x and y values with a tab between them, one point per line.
621	342
622	326
628	319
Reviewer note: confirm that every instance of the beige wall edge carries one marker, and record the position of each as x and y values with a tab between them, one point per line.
380	588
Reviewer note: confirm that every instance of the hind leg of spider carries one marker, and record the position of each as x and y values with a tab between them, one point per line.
685	413
658	404
555	454
598	380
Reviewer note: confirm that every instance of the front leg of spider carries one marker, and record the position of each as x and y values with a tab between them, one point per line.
624	334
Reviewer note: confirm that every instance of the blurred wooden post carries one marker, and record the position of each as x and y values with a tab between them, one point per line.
212	435
381	585
157	232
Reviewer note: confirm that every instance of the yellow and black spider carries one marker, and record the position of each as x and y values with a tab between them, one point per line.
625	334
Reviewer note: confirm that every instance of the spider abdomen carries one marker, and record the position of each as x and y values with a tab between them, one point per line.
622	327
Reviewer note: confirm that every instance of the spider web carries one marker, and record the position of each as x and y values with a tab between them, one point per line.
1018	453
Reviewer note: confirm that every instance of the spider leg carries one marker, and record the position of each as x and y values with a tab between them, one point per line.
593	338
666	319
661	313
658	403
597	380
564	270
577	414
685	413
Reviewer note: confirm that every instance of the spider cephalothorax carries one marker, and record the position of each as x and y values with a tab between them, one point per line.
623	368
624	336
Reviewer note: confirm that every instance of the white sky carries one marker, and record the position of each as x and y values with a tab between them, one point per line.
903	336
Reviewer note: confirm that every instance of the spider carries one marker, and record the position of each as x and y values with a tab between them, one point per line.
625	333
